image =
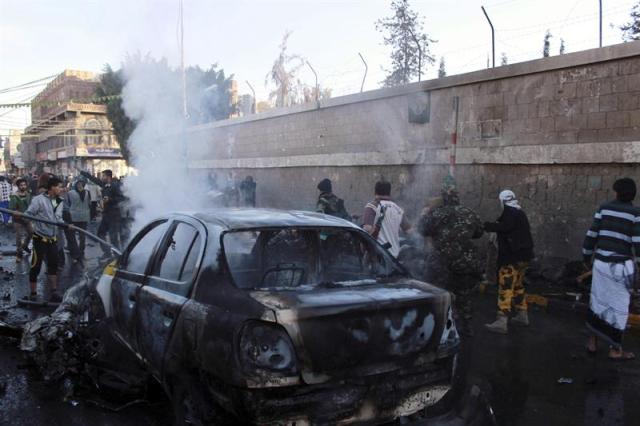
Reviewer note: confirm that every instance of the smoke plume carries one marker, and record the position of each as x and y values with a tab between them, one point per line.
153	98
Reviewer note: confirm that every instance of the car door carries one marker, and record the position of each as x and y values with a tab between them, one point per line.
129	277
167	289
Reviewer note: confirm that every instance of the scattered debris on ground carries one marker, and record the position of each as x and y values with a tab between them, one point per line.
7	330
68	347
59	344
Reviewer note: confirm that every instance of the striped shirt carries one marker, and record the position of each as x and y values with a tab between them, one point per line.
614	234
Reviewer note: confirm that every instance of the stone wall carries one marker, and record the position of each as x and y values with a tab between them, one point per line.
557	131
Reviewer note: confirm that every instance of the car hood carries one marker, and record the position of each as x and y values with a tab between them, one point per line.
363	329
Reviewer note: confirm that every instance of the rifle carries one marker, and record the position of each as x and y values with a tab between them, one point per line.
378	225
62	225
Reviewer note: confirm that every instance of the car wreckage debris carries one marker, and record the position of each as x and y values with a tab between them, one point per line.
67	347
60	344
7	330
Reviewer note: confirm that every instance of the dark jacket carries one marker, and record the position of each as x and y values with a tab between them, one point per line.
331	204
113	191
515	243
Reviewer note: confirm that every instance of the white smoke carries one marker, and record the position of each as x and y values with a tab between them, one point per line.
152	97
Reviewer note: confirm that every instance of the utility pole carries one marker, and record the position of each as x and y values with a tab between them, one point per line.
600	2
454	137
184	76
493	37
185	113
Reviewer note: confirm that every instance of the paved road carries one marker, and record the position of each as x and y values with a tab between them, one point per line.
24	399
522	370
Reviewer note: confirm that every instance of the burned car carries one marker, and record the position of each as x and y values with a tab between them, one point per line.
279	317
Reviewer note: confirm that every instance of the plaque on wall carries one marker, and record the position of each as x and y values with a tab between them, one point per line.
419	107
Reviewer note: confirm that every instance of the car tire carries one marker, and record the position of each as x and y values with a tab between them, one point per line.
191	405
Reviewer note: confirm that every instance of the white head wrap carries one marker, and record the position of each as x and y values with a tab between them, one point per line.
508	198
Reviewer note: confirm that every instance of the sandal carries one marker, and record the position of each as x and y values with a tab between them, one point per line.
622	356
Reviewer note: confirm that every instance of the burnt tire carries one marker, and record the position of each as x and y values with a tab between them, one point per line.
192	405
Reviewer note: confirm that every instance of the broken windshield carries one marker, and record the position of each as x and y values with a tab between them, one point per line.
283	258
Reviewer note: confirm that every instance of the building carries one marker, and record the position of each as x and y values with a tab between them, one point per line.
12	163
246	105
68	131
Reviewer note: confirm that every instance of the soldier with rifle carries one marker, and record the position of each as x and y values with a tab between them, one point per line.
329	203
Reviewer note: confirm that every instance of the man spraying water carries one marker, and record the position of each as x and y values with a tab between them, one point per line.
45	206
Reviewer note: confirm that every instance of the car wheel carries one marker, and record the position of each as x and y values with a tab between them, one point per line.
191	405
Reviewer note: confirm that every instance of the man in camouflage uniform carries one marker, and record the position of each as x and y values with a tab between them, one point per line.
329	203
453	262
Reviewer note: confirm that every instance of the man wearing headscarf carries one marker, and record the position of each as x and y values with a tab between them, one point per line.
611	245
453	263
515	251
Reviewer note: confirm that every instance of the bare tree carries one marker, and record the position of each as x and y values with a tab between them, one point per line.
283	75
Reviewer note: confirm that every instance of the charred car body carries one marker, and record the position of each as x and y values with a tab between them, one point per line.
268	316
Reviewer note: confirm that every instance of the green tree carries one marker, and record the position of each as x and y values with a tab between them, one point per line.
110	90
547	44
283	75
211	92
442	72
631	30
404	33
503	59
209	96
561	51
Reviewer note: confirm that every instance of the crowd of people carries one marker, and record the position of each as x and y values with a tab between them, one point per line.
448	228
453	261
57	203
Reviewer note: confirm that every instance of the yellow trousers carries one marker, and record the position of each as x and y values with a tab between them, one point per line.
511	287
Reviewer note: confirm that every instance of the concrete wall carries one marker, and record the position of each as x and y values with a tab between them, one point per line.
557	131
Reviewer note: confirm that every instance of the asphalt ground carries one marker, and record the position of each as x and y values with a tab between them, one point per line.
25	399
519	372
523	369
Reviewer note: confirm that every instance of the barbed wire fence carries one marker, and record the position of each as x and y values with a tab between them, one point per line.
346	75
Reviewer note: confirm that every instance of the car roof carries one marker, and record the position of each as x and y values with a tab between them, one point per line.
243	218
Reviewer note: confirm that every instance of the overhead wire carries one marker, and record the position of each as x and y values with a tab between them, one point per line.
346	77
8	89
561	21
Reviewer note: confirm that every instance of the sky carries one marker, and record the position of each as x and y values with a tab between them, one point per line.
40	38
